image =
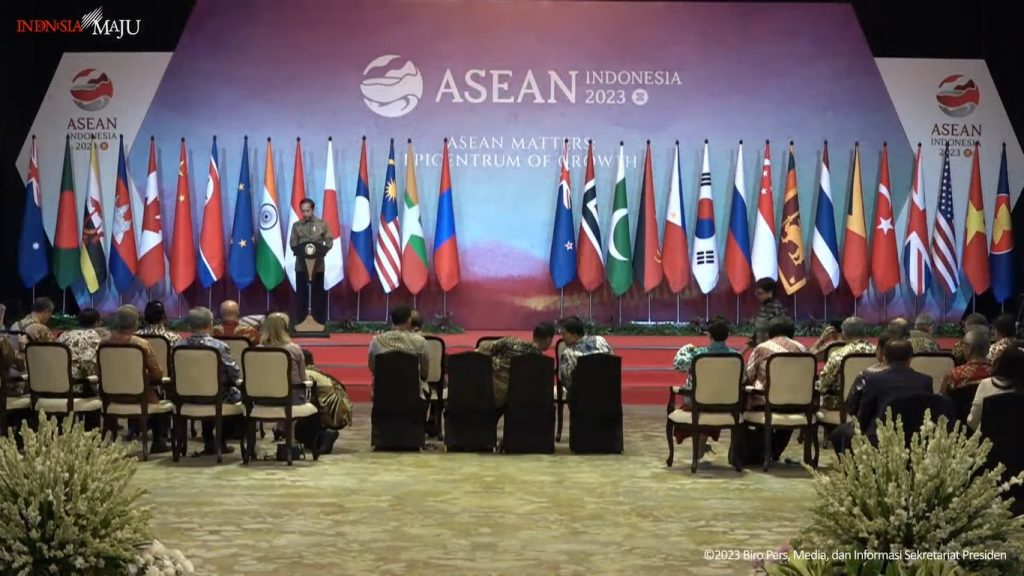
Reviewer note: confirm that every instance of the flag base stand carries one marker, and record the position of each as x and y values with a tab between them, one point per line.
309	328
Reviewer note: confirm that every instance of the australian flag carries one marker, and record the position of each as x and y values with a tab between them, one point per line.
33	245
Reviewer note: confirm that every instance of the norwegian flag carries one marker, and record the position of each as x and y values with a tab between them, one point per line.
944	235
916	267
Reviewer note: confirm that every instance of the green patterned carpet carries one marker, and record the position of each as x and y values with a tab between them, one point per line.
359	512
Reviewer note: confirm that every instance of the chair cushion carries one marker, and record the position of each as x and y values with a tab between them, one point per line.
23	402
565	393
780	420
433	394
209	410
61	405
828	417
706	418
123	409
277	412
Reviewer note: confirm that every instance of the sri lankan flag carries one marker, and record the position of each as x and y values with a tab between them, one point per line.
91	253
792	270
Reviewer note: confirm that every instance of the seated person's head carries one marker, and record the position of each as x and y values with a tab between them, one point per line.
924	323
781	326
974	320
416	321
573	330
853	329
899	327
1009	367
898	352
229	312
154	313
883	339
718	330
88	318
1005	326
200	320
126	319
765	289
401	317
275	330
543	334
42	307
978	341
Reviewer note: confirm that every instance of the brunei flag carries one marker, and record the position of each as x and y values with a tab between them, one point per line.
1001	257
91	253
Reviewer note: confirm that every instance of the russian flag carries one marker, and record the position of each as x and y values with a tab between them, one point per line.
359	264
737	244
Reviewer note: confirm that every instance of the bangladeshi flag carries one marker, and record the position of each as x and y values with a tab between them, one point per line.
67	267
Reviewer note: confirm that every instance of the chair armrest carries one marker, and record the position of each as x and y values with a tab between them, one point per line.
754	390
307	383
91	379
676	389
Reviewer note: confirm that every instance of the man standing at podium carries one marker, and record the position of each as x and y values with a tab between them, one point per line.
315	230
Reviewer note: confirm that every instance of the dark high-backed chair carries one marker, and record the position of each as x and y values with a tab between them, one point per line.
1000	423
398	415
595	405
530	414
469	417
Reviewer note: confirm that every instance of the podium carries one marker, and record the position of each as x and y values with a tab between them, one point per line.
310	254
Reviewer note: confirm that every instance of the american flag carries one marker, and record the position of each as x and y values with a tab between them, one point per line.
944	235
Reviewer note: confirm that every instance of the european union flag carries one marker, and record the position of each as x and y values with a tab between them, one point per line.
242	255
33	245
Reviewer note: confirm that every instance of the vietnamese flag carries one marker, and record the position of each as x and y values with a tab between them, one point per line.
975	241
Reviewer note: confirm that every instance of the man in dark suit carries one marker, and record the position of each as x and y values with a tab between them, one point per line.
898	380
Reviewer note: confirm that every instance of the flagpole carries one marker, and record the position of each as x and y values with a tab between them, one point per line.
707	308
359	297
855	300
677	307
444	304
64	301
414	301
942	312
561	297
387	305
885	307
825	300
620	308
268	300
209	297
916	298
591	297
649	307
329	306
737	308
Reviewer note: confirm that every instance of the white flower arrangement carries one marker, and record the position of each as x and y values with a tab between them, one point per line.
67	505
936	496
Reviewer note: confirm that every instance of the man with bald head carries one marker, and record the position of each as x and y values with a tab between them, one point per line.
229	323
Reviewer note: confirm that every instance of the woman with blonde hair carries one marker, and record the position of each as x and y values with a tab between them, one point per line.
275	335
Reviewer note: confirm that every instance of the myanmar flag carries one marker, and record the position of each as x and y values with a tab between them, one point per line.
414	248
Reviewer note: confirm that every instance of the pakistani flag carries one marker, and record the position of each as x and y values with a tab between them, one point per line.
270	249
620	253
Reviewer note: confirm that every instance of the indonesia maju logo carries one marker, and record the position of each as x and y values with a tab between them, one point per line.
91	89
958	96
392	86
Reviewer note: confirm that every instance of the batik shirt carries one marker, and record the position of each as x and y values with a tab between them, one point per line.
769	310
583	347
502	351
84	344
998	347
972	372
922	342
830	380
159	330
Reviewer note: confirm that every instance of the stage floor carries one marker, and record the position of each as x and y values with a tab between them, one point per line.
646	360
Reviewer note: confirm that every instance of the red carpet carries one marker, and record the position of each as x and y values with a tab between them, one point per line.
646	360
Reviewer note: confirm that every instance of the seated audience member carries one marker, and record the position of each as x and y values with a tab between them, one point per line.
503	350
781	332
11	361
896	381
977	367
35	324
401	338
718	333
921	337
200	324
156	322
335	405
577	343
84	342
899	327
417	321
126	322
275	335
1005	332
960	349
764	291
231	325
829	382
1007	376
853	400
829	336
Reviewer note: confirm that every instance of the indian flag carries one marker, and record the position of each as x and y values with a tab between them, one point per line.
270	250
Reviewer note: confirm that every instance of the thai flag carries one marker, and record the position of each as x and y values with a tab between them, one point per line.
825	246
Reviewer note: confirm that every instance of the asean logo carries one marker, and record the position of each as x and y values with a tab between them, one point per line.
958	96
91	89
268	216
392	86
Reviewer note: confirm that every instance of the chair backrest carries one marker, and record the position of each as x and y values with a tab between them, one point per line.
49	368
718	380
122	369
530	380
267	375
852	366
470	383
483	339
196	372
238	346
598	382
530	413
935	364
162	349
1000	423
396	382
436	353
832	347
962	398
790	379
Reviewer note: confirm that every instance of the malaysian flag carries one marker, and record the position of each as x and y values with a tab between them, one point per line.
944	235
388	259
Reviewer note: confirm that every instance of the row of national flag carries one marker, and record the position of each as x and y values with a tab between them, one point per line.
256	248
780	254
